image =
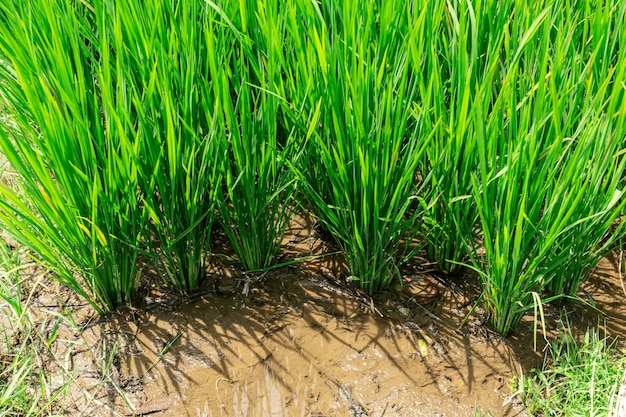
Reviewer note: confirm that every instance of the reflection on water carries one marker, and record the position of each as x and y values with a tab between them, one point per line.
272	398
240	405
270	395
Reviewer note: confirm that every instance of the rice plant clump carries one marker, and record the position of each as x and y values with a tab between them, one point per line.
459	56
548	186
493	132
183	144
361	155
259	183
70	132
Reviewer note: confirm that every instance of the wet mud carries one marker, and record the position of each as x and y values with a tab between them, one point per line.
300	341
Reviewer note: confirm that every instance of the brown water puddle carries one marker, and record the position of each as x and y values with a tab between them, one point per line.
297	342
302	347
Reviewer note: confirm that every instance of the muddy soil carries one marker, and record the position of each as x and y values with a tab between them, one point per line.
300	341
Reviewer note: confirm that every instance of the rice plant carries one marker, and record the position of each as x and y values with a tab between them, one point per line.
589	186
70	134
548	185
490	129
459	55
356	94
182	146
259	183
596	167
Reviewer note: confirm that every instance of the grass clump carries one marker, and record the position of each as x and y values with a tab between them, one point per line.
24	388
579	378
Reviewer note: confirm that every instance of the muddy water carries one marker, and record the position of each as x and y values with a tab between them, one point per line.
303	347
299	342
